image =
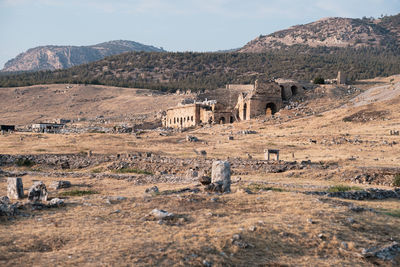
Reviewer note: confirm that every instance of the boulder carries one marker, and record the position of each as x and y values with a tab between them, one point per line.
6	208
38	192
190	138
221	175
15	188
60	184
56	202
152	190
161	214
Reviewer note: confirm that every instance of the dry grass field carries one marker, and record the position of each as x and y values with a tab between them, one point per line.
278	222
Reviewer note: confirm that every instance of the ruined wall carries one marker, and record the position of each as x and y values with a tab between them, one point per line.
183	116
244	87
206	115
266	96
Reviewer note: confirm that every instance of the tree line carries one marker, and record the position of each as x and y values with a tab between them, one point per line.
198	71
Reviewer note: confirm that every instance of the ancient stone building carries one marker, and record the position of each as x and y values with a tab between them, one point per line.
236	102
188	115
264	99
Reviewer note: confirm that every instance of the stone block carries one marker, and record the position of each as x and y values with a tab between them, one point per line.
15	188
221	174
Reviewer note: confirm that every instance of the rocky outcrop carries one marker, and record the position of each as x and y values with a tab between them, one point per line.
60	57
329	32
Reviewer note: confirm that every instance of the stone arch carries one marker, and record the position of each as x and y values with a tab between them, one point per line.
181	122
283	93
191	118
222	120
270	109
294	90
231	119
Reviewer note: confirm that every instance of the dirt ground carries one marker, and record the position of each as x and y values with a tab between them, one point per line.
278	222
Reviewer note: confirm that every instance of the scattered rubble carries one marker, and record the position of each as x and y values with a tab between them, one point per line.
387	252
6	207
370	193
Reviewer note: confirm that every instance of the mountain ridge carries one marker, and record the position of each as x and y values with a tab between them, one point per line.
52	57
333	32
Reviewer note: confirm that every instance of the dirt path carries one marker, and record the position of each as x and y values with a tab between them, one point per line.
376	94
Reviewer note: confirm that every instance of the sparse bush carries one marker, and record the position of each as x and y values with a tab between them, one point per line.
396	181
393	213
343	188
262	187
74	193
25	163
133	170
98	170
319	80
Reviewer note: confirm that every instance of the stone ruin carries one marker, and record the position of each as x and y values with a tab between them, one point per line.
236	102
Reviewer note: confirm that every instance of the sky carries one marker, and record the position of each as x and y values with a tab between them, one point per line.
175	25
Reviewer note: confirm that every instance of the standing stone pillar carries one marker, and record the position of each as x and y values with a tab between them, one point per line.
221	174
15	188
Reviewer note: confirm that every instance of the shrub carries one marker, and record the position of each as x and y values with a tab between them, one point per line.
98	170
78	193
343	188
262	187
396	181
319	80
25	163
133	170
393	213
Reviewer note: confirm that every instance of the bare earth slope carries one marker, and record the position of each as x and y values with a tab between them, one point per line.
25	105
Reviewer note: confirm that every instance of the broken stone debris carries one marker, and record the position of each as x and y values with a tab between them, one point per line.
56	202
161	214
205	180
38	192
6	208
387	252
190	138
60	184
151	190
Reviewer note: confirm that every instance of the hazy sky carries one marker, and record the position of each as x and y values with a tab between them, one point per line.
175	25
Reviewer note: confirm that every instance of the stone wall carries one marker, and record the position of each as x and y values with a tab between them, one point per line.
244	87
183	116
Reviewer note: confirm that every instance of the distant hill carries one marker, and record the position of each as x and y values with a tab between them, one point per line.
333	32
361	48
52	57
